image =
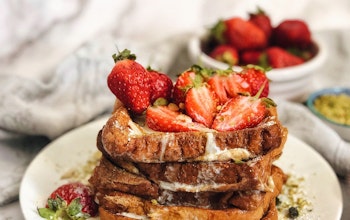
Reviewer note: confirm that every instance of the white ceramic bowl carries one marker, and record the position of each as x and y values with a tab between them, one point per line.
341	129
289	83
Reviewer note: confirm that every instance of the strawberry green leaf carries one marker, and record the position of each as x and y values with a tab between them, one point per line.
125	54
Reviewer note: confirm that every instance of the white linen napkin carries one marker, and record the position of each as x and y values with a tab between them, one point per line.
310	129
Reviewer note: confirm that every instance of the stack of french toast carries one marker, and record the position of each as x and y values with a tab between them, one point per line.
198	170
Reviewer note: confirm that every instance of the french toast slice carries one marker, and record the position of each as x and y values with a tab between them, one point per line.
123	139
118	205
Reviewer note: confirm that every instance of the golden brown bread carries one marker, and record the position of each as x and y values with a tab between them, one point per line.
206	174
118	205
122	139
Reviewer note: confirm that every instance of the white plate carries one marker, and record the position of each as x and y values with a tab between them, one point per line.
74	148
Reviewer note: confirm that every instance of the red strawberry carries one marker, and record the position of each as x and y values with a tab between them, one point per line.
72	199
217	84
278	58
236	84
161	85
186	80
262	20
200	104
240	112
256	78
225	53
254	57
292	33
168	119
244	35
130	82
227	84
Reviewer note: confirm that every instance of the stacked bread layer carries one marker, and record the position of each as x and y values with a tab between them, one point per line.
188	175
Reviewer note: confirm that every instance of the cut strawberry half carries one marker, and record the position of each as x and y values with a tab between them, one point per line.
241	112
186	80
236	84
217	84
201	104
256	78
167	119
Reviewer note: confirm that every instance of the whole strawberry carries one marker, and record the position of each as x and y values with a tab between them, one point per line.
161	85
129	81
292	33
244	35
70	201
254	57
225	53
279	57
262	20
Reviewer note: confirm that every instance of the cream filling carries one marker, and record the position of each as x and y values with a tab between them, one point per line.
133	216
176	186
214	153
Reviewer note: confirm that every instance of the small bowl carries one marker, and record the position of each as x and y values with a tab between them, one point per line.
289	83
342	129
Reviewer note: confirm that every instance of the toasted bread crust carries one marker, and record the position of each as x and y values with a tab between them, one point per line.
120	141
145	174
145	179
113	205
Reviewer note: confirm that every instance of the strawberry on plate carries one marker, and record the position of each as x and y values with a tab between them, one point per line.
257	79
225	53
227	84
70	201
217	84
170	119
186	80
161	85
129	81
241	112
279	57
200	104
236	84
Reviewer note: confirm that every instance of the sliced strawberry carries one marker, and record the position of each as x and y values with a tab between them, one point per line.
166	119
240	112
161	85
200	104
236	84
75	200
225	53
217	84
129	81
278	58
186	80
256	78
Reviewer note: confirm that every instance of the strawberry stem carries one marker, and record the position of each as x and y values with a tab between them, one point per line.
125	54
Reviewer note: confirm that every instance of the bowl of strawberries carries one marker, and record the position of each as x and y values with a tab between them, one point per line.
289	51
